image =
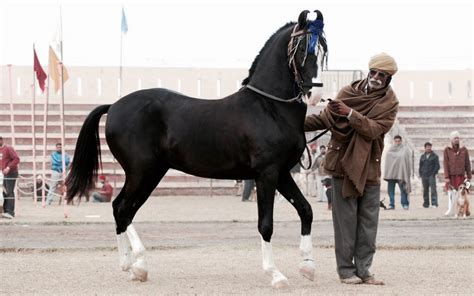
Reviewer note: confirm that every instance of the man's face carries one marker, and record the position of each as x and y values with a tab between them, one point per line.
59	148
397	141
323	151
377	79
428	148
455	141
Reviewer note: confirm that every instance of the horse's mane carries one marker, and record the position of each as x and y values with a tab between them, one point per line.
257	58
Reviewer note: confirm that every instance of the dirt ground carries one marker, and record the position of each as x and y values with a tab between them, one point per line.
210	245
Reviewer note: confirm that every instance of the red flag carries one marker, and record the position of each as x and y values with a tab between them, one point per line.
40	74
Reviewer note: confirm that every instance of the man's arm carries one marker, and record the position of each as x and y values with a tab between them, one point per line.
446	165
313	122
371	128
436	168
419	166
364	125
14	160
468	166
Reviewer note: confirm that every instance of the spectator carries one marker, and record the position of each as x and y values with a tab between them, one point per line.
327	183
105	194
321	175
362	113
397	171
428	169
39	187
9	161
457	169
248	187
56	171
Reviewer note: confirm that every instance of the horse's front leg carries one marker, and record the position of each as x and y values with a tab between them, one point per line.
266	183
288	188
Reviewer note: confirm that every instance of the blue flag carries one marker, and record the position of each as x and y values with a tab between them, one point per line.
124	22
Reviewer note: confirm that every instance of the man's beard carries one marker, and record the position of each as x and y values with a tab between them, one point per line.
375	83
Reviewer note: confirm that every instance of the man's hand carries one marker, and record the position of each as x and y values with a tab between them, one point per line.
6	170
446	183
339	107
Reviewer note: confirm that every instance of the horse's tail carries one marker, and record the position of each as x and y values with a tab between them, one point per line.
87	156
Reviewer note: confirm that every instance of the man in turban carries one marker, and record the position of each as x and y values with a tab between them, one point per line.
457	170
360	116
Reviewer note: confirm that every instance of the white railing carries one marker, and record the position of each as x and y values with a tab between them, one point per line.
98	85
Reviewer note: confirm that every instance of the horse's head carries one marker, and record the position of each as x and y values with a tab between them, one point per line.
290	60
307	51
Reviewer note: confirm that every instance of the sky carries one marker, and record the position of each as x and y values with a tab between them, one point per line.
420	35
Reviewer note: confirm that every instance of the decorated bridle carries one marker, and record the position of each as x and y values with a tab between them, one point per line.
313	34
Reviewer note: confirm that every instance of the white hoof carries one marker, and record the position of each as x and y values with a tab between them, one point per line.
307	270
280	283
125	266
126	263
138	274
139	271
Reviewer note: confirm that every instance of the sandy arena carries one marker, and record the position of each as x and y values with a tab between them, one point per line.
210	245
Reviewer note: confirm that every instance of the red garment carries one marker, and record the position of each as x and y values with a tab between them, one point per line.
107	192
456	181
9	158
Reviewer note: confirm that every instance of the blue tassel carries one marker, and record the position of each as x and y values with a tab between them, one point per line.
316	29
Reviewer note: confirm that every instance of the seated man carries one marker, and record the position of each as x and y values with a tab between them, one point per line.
105	194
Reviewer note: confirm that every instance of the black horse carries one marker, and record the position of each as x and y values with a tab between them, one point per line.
255	133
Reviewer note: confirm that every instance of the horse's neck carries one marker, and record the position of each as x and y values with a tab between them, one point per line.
273	75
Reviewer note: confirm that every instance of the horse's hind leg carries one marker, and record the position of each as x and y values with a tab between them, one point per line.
138	187
287	187
266	183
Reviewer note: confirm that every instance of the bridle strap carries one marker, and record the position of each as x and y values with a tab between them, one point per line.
311	84
270	96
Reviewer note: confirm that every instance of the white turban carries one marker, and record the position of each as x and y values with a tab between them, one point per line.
384	62
454	135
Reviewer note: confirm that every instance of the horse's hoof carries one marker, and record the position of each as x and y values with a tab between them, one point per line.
307	271
139	271
126	264
281	283
138	274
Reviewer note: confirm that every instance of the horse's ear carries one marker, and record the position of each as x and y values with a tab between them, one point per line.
319	15
302	20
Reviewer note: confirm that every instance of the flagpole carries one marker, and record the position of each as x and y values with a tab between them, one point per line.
45	134
123	21
33	132
61	108
12	119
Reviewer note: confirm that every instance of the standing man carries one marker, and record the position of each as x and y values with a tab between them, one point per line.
9	161
56	171
362	113
398	171
428	169
248	187
457	169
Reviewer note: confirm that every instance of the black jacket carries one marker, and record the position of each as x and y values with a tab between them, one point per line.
429	166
